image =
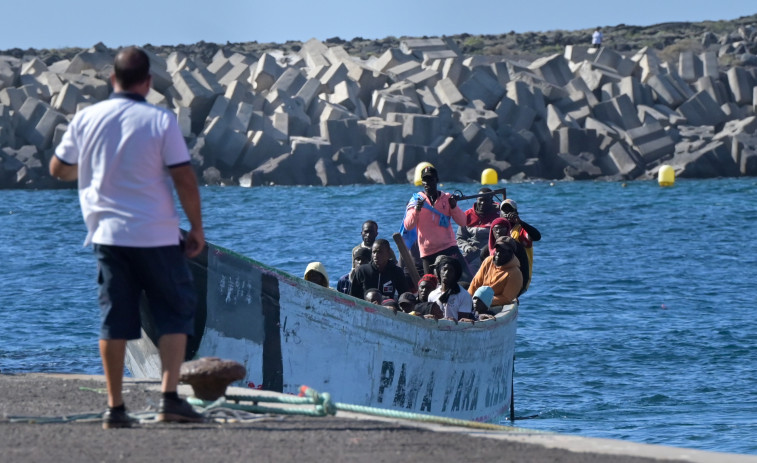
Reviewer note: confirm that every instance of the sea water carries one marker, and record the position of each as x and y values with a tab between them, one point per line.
639	323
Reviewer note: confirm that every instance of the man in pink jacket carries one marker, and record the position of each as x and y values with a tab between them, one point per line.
429	211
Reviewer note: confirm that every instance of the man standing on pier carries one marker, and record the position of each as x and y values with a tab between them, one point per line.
127	155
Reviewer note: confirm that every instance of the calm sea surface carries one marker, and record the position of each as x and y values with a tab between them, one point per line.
639	324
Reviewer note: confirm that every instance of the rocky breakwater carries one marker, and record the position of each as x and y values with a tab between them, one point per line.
319	116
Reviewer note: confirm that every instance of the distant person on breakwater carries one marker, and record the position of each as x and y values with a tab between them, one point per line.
474	235
127	154
596	38
429	213
523	233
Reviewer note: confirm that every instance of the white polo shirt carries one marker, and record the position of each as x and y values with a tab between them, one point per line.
123	148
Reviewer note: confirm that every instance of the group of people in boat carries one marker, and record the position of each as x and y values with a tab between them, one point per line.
467	275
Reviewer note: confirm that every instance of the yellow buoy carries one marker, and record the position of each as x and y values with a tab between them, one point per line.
418	170
489	176
666	176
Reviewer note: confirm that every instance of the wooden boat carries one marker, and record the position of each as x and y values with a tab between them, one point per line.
289	332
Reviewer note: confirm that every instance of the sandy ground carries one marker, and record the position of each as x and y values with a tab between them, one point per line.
270	438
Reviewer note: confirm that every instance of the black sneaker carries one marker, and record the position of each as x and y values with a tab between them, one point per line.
117	418
178	411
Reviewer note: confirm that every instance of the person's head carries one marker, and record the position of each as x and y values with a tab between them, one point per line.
381	253
426	284
407	302
482	299
316	273
374	296
449	270
131	71
504	250
509	210
390	304
500	227
430	178
484	204
360	256
369	232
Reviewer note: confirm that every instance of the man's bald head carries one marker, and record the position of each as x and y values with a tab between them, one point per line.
131	67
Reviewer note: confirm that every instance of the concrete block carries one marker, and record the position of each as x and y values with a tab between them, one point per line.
428	100
625	161
98	59
384	103
389	59
523	95
289	82
314	53
223	147
368	81
447	92
425	78
374	173
651	142
375	130
345	93
515	115
417	47
554	69
239	73
709	61
556	119
260	148
33	67
402	157
265	73
575	140
89	85
334	75
603	129
740	85
419	129
404	70
9	70
689	66
714	87
308	92
156	98
665	91
184	118
41	135
341	132
613	61
619	111
482	85
67	99
195	96
702	109
577	53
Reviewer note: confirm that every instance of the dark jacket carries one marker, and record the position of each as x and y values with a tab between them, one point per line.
391	282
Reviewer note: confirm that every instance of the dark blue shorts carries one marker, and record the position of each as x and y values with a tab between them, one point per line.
123	273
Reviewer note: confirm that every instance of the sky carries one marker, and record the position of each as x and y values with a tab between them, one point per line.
83	23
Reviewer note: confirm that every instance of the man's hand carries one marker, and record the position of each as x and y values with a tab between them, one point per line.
419	204
452	202
194	242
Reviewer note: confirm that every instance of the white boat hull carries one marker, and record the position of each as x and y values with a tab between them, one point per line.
288	332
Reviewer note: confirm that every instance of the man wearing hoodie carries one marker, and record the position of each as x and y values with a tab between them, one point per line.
500	272
380	273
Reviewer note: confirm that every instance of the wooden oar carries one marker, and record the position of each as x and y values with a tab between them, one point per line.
407	258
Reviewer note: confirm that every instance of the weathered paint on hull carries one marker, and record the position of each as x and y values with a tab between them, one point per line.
289	332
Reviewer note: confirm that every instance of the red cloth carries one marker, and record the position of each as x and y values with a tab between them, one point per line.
472	219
